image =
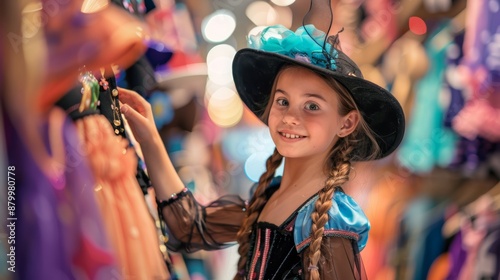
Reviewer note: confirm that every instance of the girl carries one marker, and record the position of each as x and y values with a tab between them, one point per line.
322	115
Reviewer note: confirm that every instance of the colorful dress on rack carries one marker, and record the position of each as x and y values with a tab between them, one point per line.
60	234
481	113
427	143
121	203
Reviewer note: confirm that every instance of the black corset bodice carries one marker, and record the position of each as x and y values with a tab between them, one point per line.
273	252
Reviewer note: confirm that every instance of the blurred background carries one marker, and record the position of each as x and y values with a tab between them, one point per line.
433	204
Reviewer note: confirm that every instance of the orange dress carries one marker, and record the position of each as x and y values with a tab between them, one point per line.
129	224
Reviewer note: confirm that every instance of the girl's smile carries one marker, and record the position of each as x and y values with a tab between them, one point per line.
289	135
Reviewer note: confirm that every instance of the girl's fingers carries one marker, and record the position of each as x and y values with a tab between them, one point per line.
131	114
135	101
129	96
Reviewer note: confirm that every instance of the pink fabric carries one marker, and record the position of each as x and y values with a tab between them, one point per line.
480	116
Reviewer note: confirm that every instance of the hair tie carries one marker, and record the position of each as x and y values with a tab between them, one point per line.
241	272
311	267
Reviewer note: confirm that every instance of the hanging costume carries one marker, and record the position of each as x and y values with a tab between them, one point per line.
59	230
128	223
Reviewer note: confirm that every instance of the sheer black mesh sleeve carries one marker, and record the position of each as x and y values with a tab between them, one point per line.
191	226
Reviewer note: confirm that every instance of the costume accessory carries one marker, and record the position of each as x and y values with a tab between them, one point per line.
175	196
89	90
255	69
110	98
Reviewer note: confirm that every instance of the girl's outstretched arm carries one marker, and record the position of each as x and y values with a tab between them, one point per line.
161	171
190	225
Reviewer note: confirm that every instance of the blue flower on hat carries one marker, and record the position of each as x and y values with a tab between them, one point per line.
163	111
305	44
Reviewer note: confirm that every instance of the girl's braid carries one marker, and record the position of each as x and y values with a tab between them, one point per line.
339	174
255	206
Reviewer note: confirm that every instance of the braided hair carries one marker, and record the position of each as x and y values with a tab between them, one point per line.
255	206
338	175
338	167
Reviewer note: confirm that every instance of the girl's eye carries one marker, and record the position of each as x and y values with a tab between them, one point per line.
312	106
282	102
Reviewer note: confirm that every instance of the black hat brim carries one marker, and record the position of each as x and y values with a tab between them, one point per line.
254	72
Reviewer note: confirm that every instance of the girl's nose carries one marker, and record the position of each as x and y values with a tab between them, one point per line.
291	116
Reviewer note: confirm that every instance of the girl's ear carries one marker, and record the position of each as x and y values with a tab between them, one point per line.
350	122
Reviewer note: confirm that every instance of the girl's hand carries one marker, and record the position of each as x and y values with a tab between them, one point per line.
139	115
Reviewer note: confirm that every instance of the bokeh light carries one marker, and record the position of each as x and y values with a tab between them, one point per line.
417	25
283	2
225	107
261	13
218	26
219	64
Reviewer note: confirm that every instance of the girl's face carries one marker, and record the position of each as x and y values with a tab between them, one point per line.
304	118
